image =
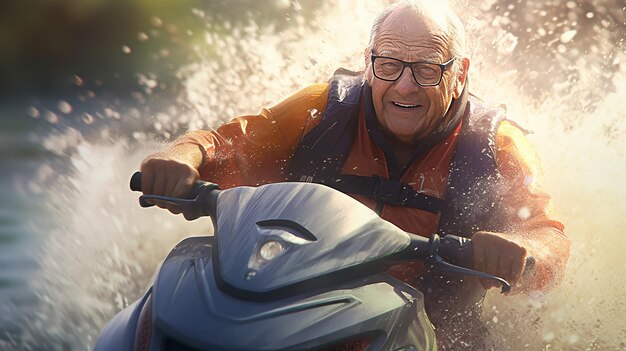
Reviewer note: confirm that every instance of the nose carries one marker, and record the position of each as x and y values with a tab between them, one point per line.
406	84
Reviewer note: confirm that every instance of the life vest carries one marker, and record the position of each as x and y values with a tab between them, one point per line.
470	201
473	187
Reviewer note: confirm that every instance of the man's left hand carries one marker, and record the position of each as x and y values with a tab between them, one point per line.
498	254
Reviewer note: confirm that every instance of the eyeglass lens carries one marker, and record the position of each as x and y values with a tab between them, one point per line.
391	69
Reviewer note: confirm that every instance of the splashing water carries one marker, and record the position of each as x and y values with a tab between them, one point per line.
98	249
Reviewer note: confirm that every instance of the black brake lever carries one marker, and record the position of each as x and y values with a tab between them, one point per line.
183	205
463	248
438	263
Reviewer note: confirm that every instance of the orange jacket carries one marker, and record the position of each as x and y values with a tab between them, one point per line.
255	150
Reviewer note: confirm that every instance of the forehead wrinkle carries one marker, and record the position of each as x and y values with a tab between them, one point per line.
414	35
429	47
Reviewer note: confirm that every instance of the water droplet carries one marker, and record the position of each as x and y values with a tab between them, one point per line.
126	49
314	113
198	12
110	113
33	112
163	118
589	15
495	319
523	213
51	117
141	36
507	43
566	37
64	107
87	118
547	337
155	21
78	81
133	112
147	82
139	136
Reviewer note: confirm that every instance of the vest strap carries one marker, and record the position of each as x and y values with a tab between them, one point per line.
387	191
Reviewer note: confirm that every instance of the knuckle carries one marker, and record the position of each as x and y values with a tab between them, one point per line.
149	164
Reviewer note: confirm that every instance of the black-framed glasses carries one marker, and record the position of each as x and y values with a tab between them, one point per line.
426	74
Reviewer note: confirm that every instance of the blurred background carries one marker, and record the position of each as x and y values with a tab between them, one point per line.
90	87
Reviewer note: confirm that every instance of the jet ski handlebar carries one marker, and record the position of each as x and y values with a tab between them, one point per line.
449	253
201	200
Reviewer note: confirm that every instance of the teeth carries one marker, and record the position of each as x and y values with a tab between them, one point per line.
403	105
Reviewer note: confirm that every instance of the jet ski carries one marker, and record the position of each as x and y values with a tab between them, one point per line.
290	266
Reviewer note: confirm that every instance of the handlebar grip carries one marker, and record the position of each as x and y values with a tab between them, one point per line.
458	250
135	185
201	201
135	182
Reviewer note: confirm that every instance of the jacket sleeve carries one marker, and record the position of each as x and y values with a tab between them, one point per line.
256	149
536	224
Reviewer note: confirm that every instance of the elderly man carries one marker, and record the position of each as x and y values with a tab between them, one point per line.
409	141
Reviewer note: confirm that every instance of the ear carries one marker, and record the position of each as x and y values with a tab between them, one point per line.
461	78
367	58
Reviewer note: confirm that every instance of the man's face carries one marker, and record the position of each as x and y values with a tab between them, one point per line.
405	110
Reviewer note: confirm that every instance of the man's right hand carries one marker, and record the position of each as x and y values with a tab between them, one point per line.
166	176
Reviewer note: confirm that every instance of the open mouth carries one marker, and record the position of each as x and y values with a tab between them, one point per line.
405	105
